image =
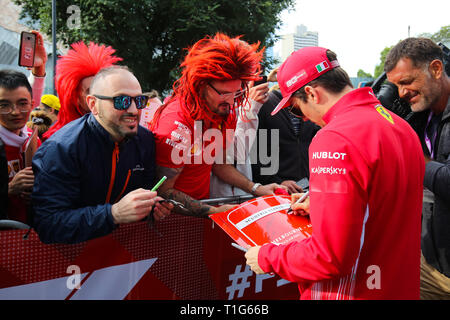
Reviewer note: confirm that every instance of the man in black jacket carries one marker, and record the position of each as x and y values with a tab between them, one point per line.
416	66
294	138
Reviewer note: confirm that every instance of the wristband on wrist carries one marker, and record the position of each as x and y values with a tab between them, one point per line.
255	186
43	76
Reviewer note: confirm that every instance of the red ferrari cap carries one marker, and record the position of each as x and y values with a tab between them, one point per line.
300	68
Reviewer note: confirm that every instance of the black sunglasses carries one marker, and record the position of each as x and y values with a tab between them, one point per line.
296	112
124	102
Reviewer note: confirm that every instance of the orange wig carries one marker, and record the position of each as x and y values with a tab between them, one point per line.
215	58
80	62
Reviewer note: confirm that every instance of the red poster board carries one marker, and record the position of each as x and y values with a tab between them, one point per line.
262	220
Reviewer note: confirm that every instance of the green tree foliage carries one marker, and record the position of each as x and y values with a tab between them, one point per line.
379	69
362	74
443	35
151	35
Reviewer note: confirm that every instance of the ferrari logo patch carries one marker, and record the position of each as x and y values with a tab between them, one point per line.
381	110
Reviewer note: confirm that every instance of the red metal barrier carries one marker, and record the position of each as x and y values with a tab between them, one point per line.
182	258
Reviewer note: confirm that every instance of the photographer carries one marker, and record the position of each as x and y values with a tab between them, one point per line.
416	66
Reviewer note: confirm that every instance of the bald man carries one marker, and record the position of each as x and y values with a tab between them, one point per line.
96	172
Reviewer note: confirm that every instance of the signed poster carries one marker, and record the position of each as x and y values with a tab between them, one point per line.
262	220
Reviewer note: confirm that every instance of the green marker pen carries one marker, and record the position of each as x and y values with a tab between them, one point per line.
159	183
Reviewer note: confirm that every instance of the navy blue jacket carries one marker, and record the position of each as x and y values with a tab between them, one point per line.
73	173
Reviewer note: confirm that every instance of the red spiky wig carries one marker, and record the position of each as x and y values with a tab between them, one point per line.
80	62
215	58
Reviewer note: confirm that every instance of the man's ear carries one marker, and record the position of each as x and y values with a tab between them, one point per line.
92	104
313	94
436	68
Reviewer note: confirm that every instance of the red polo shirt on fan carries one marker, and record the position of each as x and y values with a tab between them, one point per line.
182	143
366	174
15	146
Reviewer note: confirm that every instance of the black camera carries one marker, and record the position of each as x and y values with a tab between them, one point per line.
387	92
446	52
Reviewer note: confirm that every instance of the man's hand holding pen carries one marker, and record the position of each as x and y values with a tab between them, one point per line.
299	204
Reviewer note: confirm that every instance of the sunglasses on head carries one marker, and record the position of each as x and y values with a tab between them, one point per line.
124	102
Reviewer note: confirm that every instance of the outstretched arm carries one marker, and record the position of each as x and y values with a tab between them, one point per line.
192	206
231	175
37	76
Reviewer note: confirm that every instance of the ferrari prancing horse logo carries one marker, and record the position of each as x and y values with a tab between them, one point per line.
381	110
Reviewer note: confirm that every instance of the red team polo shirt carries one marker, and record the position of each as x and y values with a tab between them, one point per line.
17	207
180	143
366	175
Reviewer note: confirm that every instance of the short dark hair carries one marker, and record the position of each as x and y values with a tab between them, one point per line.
11	79
421	51
334	80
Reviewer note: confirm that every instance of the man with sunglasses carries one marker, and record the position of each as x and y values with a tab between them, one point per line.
97	171
366	171
74	73
193	128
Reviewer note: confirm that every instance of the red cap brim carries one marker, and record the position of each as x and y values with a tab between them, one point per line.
281	105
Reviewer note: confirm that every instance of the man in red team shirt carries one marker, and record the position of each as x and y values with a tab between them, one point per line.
366	173
18	96
191	129
16	103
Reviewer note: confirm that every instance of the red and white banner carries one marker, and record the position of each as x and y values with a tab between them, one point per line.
179	258
263	220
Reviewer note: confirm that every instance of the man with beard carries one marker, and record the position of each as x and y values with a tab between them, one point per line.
96	172
193	127
416	66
